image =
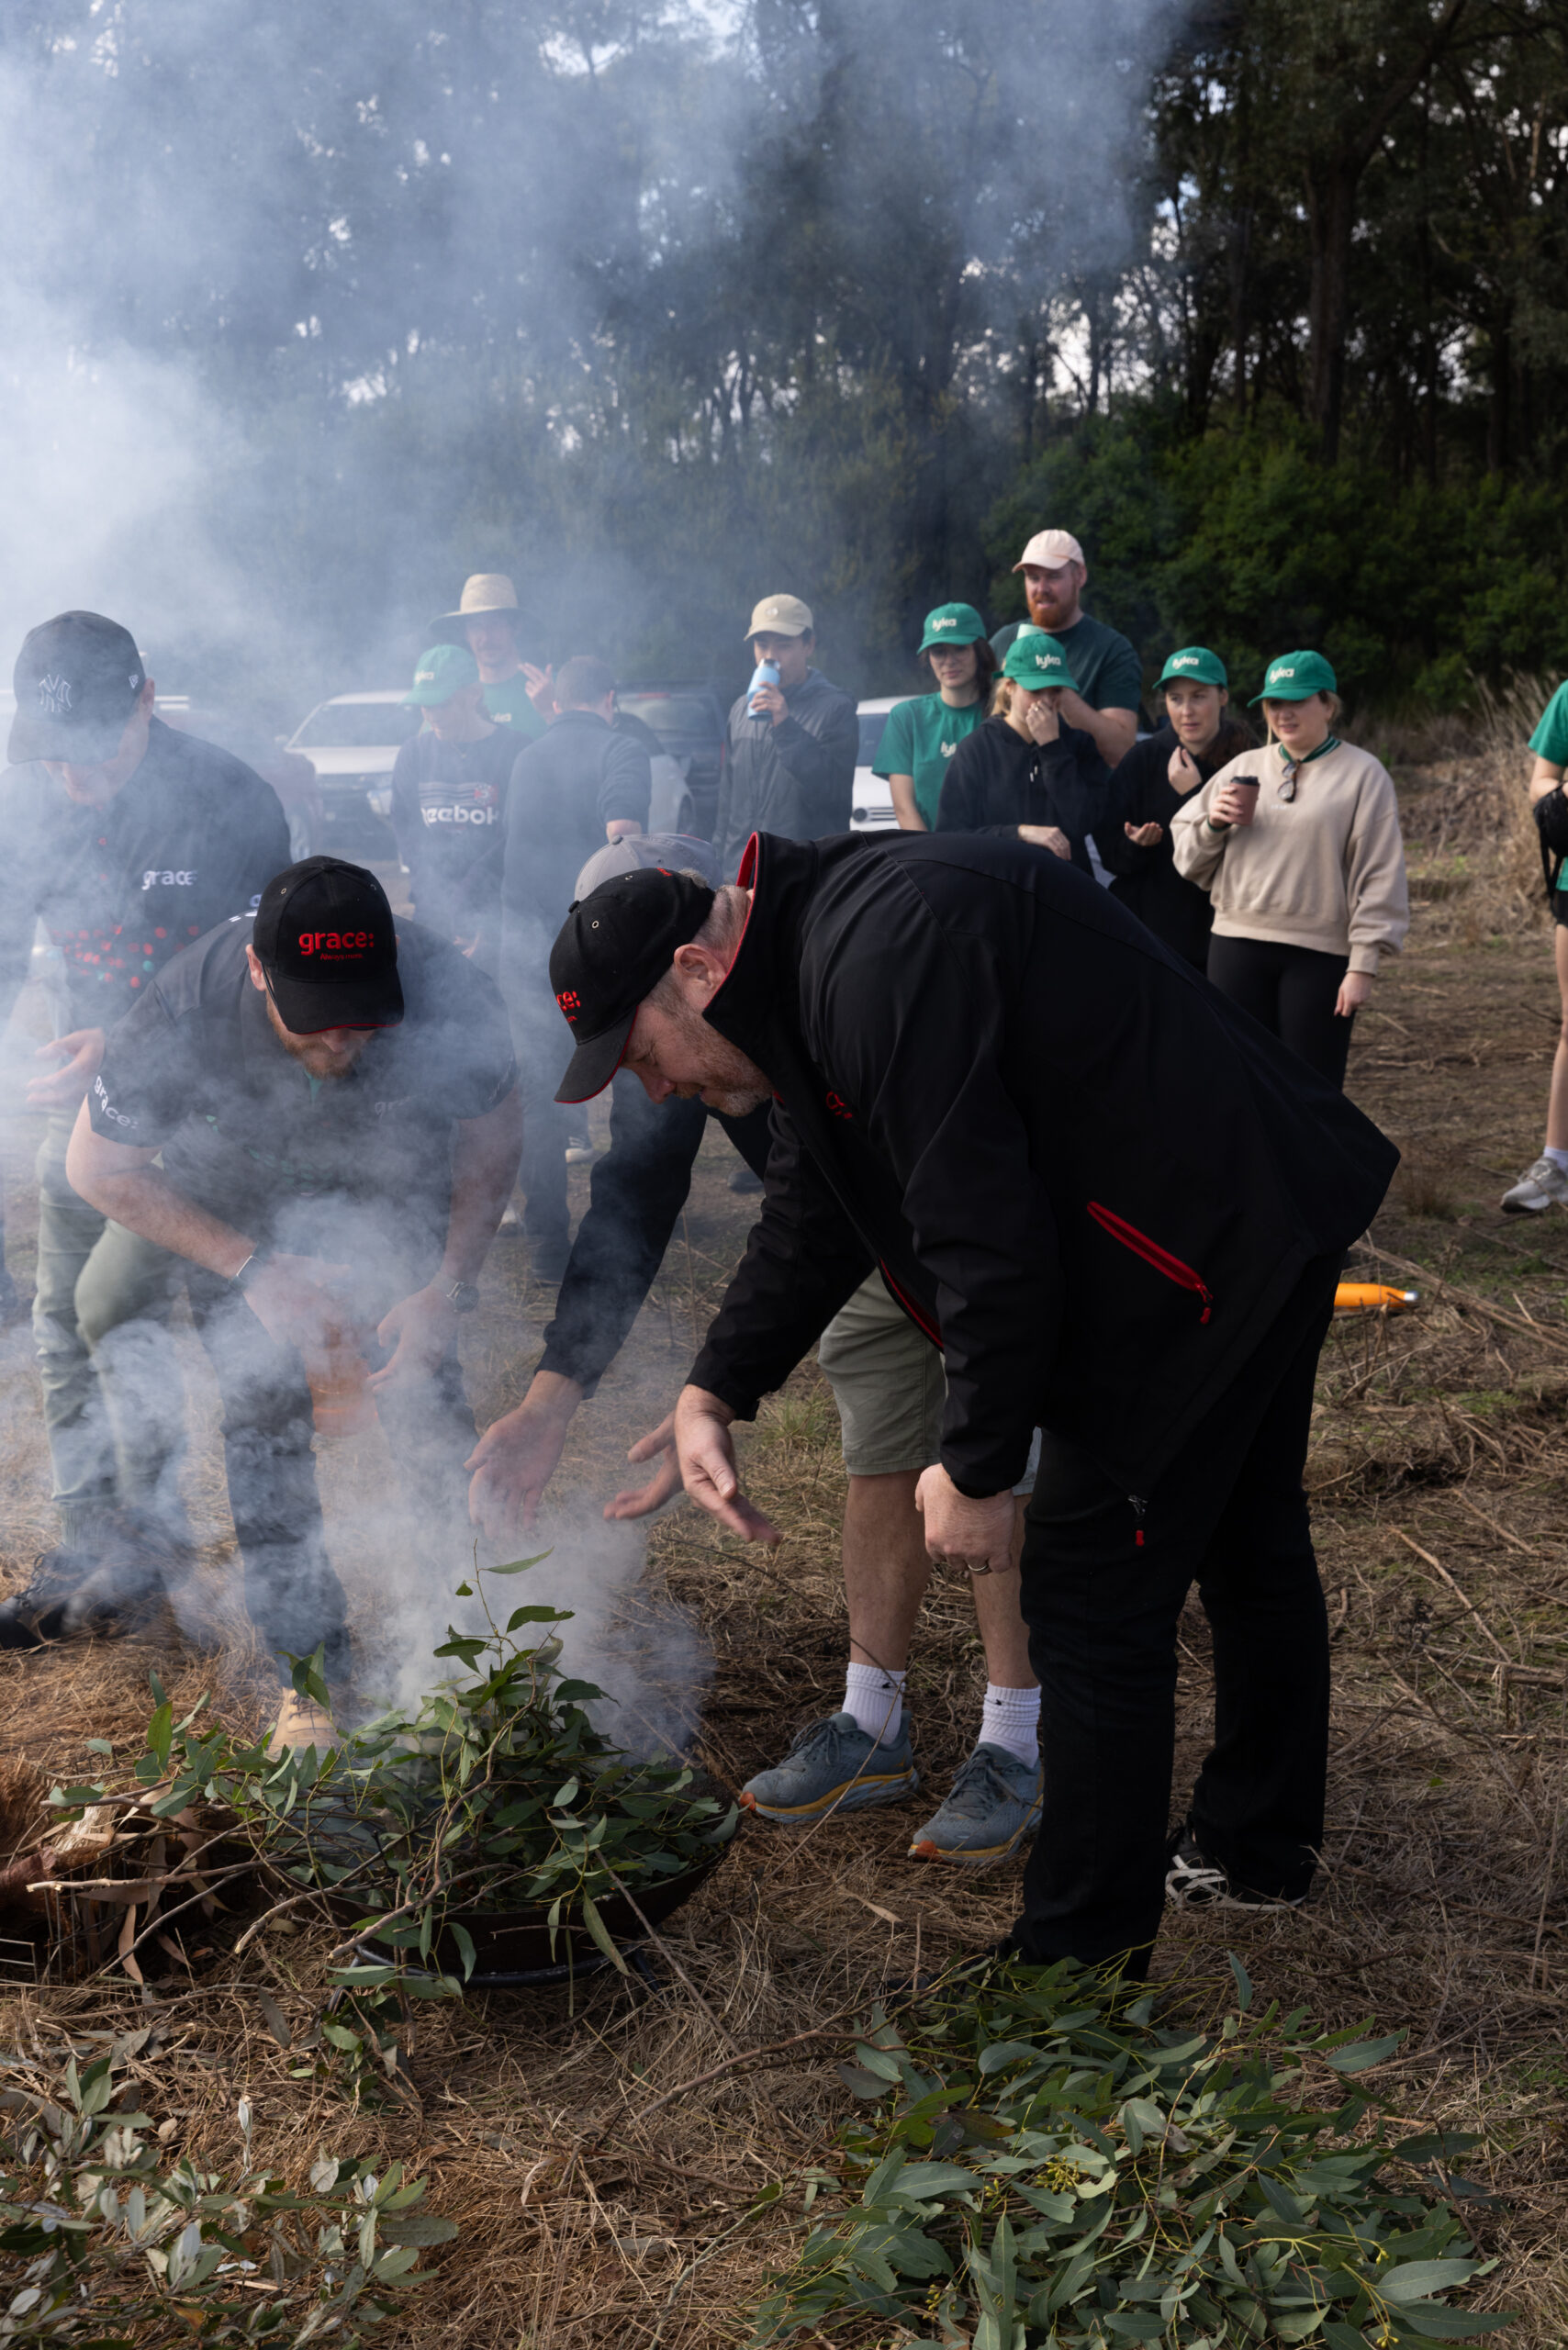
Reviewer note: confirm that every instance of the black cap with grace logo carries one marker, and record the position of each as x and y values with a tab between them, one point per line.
612	949
323	934
77	680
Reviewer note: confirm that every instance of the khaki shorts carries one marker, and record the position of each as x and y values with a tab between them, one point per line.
890	1387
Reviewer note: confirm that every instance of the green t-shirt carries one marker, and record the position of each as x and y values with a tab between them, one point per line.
1100	657
919	739
1550	741
509	699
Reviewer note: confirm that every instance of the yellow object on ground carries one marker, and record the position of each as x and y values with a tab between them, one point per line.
300	1723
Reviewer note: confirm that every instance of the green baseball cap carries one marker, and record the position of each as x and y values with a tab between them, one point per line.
443	671
1038	662
1297	677
952	624
1195	661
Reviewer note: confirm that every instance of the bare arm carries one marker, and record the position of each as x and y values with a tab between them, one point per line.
1114	730
123	1183
1544	777
485	1155
909	816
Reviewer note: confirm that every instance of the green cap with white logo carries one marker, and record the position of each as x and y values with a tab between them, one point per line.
1038	662
443	671
1297	677
1195	661
952	624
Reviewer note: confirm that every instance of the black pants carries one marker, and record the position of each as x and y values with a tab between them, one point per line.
292	1596
1102	1589
635	1194
1291	991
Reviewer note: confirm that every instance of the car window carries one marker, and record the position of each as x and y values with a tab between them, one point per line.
871	725
671	713
356	725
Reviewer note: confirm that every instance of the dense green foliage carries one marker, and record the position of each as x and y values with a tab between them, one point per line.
1045	2166
661	307
109	2243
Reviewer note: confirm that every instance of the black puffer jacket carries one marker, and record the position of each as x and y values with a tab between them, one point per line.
999	779
1146	878
1084	1173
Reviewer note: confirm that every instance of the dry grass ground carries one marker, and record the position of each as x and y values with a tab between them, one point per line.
604	2201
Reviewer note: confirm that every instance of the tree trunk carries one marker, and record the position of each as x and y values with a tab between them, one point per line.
1331	211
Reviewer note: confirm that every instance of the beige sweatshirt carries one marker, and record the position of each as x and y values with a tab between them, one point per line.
1324	869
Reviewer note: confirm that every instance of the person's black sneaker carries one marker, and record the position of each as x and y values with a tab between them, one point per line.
547	1260
116	1589
1194	1881
34	1616
742	1179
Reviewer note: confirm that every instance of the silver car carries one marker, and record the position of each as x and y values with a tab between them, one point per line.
353	743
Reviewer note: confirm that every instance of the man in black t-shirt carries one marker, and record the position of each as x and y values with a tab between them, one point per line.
335	1113
127	840
449	792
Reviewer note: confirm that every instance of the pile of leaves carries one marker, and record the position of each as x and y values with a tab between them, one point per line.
1046	2167
109	2249
498	1793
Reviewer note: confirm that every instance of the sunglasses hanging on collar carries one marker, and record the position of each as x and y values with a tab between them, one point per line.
1293	768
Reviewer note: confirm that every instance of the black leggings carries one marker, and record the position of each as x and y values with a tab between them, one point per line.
1291	991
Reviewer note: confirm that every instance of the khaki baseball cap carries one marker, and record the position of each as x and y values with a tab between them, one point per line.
1050	550
780	616
486	592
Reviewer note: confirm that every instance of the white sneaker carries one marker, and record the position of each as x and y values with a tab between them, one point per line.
1545	1185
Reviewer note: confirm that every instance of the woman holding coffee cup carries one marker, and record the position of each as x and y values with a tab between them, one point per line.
1298	845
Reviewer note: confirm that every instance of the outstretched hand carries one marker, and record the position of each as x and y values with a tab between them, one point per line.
640	1501
516	1456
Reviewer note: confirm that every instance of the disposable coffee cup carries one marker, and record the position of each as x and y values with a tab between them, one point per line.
1246	784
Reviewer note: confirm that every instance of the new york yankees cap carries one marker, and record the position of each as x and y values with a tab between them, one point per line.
323	934
77	679
610	951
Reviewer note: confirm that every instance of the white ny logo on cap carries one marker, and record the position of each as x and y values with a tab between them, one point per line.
54	696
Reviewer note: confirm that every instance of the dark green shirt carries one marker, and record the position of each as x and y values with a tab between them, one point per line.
919	739
1100	658
509	699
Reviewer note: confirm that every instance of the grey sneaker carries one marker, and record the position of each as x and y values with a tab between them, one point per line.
1545	1186
833	1763
990	1808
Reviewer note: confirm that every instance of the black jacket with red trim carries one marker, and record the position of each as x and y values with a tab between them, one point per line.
1092	1176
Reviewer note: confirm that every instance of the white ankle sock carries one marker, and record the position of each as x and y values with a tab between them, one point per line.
1557	1157
876	1700
1012	1721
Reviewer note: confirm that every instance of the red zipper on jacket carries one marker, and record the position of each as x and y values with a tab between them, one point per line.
1152	1254
915	1315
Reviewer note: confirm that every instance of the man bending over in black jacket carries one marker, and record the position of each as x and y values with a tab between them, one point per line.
1117	1209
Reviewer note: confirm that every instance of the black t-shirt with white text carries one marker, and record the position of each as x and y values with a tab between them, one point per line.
342	1168
191	837
449	816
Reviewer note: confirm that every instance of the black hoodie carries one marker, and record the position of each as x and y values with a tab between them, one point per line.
999	779
1089	1178
1145	879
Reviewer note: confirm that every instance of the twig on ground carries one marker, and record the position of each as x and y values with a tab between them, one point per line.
1468	1606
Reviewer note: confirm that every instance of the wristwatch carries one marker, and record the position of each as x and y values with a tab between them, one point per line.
253	1265
462	1297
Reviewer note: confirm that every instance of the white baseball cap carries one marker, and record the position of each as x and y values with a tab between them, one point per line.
1050	550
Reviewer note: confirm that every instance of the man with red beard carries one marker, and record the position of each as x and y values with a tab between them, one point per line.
1105	704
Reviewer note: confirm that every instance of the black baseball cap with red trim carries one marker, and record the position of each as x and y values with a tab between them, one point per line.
323	934
612	949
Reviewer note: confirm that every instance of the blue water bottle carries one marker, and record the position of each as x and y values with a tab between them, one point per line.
765	673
